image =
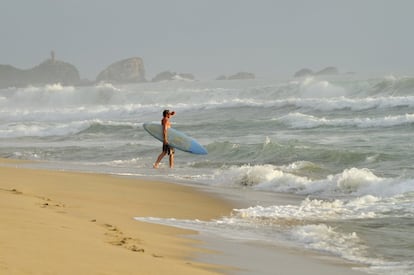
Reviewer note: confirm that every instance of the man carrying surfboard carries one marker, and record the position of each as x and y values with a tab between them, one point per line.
166	148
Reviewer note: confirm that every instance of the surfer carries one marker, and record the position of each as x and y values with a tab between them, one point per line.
166	148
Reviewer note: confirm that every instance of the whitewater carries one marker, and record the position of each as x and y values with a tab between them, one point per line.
342	146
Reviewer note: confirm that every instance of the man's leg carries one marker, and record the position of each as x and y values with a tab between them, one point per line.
172	160
157	163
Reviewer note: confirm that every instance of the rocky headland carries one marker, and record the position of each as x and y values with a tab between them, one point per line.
49	71
130	70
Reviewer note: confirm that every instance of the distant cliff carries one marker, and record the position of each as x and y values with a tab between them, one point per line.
50	71
130	70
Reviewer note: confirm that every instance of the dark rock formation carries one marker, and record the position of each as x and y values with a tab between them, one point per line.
328	71
241	75
237	76
185	76
221	77
308	72
49	72
303	73
168	76
129	70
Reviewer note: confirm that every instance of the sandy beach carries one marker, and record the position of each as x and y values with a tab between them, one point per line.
56	222
72	223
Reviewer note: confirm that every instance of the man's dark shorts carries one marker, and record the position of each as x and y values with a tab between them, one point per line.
167	149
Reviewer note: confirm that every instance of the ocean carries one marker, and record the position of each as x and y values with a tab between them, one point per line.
341	146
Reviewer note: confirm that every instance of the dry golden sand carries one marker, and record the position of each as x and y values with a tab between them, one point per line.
74	223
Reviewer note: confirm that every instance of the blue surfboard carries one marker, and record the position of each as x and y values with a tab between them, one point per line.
176	139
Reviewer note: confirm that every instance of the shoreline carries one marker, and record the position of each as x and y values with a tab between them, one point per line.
79	223
115	200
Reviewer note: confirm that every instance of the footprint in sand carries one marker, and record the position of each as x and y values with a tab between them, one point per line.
116	237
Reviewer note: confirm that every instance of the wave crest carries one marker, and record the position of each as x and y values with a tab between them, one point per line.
350	182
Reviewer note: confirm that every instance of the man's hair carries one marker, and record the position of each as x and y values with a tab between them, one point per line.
165	113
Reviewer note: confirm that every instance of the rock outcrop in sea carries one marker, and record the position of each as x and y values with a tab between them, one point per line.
237	76
130	70
328	71
308	72
168	76
304	73
49	71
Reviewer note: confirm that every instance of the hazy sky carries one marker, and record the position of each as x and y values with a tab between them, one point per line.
212	37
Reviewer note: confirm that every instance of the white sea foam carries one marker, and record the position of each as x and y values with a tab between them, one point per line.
312	87
324	238
319	237
311	94
316	210
45	129
299	120
341	103
351	182
134	161
42	130
261	176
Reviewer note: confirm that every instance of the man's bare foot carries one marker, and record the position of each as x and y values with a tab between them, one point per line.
156	165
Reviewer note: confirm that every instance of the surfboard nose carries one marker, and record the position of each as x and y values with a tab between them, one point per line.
197	148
